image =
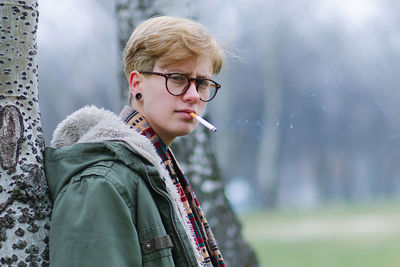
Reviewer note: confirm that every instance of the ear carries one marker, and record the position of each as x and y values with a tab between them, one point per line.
134	83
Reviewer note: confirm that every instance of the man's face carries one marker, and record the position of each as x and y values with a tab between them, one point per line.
168	115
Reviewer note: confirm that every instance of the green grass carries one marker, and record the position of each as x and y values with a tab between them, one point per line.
365	236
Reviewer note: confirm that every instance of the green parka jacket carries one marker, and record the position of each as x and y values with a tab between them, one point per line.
111	204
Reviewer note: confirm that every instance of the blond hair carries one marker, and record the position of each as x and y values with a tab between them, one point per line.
171	40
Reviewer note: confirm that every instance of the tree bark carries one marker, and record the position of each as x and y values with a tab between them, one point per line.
197	156
24	202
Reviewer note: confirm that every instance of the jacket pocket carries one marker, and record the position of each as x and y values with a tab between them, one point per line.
156	246
156	243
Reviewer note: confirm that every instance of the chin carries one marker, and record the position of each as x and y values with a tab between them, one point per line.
184	131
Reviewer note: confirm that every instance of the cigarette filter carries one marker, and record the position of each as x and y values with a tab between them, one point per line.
203	122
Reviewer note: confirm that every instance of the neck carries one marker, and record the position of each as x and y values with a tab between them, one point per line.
165	139
135	119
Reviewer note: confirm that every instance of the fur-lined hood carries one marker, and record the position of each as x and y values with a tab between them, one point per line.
92	125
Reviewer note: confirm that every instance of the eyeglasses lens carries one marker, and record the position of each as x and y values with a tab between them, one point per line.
177	84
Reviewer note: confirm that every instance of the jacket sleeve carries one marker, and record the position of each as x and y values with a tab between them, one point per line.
92	225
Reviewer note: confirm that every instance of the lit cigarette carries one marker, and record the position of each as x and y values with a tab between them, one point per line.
203	122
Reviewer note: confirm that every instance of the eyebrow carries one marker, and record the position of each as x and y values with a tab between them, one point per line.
201	76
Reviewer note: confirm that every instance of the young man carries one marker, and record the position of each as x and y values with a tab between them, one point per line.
120	198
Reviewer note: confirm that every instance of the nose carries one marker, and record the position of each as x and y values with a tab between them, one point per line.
191	93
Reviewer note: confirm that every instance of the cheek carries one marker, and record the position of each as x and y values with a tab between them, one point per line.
153	94
158	102
202	106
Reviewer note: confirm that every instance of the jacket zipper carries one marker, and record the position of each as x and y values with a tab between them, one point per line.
171	211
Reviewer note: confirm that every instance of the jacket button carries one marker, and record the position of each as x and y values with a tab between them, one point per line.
147	246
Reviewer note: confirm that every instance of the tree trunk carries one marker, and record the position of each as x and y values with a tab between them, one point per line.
130	13
193	152
268	166
197	157
24	203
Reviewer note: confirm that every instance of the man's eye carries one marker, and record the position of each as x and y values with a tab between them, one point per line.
178	78
204	84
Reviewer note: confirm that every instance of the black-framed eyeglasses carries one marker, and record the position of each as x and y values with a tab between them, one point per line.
178	83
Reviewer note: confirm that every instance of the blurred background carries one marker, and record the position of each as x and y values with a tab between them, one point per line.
308	119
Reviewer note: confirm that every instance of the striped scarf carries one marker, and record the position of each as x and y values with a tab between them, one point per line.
201	231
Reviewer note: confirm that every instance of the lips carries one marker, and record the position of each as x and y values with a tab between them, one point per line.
187	110
186	113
